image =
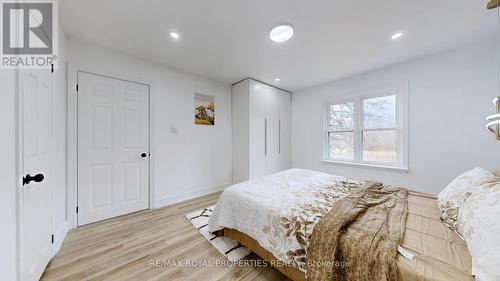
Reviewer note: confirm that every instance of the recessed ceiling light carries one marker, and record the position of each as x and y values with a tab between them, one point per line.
174	35
396	35
281	33
277	79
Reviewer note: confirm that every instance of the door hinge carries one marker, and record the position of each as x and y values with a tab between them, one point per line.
77	209
52	238
52	68
77	87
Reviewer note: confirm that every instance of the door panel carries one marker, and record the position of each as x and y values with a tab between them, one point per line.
284	108
258	122
102	123
132	191
272	109
102	186
132	126
113	131
36	197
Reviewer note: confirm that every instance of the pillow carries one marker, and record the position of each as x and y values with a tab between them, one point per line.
453	196
478	222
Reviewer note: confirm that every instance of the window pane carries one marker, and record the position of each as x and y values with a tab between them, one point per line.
341	145
341	116
380	113
380	146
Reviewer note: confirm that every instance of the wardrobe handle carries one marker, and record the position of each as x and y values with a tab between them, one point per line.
265	136
279	136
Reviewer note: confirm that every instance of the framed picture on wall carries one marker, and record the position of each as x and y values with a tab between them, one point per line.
204	110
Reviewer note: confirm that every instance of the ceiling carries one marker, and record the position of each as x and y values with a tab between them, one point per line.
227	40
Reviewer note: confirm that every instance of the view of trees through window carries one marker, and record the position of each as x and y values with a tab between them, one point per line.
377	130
341	127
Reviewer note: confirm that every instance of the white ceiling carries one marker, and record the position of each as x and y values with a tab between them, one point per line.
227	40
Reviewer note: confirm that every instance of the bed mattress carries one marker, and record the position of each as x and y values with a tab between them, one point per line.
440	254
279	211
269	214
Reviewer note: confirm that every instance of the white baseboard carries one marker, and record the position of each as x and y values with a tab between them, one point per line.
187	196
59	235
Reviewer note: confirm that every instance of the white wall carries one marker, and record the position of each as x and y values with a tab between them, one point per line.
197	159
8	184
450	95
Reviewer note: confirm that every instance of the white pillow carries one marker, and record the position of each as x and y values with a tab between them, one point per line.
453	196
479	223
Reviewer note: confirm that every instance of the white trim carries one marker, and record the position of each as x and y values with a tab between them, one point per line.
367	165
187	196
402	119
19	168
72	147
73	135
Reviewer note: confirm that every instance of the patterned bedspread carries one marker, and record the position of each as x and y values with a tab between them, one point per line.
281	210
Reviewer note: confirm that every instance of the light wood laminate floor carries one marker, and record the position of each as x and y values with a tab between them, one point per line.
122	248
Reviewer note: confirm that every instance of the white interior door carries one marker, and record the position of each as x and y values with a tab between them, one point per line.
36	194
113	147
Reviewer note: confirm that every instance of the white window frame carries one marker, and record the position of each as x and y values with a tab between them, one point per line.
401	128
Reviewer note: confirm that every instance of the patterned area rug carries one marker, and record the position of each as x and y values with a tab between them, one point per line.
231	249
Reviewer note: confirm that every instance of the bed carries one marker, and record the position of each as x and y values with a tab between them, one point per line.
275	216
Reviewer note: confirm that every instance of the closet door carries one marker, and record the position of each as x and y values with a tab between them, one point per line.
284	130
273	134
113	147
269	130
258	129
240	107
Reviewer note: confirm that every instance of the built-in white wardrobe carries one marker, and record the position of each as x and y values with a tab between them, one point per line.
261	130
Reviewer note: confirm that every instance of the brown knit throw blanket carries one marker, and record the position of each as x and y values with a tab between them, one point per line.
357	240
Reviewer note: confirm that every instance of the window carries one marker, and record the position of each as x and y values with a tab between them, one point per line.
368	130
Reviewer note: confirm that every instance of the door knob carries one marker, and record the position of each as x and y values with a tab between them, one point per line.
143	154
36	178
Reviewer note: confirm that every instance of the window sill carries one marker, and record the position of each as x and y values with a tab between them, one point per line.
366	165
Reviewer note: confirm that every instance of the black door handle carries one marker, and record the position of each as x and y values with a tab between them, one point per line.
143	154
36	178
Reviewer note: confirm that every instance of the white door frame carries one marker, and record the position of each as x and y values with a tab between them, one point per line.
72	160
19	169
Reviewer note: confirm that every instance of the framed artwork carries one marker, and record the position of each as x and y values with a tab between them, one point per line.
204	110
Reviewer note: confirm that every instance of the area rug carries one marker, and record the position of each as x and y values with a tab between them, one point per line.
230	248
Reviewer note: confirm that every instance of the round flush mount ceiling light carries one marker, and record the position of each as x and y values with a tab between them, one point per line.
397	35
174	35
281	33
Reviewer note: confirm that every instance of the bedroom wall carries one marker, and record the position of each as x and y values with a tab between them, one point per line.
450	94
197	159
